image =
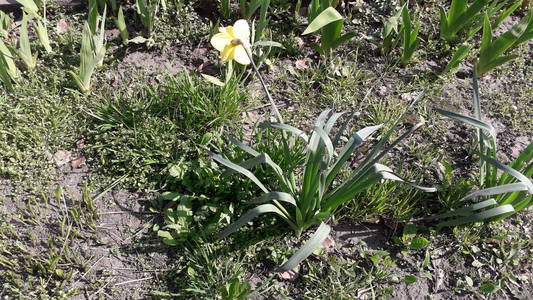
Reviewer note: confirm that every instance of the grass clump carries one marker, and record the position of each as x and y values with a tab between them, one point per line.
141	133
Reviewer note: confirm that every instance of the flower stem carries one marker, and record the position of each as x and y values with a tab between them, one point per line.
272	103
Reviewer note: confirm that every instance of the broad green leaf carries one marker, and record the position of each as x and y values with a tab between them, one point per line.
42	33
410	279
331	122
263	158
120	22
5	78
488	287
30	7
355	141
457	8
10	65
314	242
419	243
326	17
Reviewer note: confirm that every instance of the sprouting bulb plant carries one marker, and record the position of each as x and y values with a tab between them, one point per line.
89	59
24	50
5	24
40	25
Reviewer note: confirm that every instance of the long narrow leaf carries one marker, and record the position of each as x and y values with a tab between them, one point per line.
280	196
466	211
297	132
479	217
239	169
502	189
523	179
468	120
248	216
314	242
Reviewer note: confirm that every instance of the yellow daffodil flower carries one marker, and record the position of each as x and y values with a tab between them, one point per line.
231	42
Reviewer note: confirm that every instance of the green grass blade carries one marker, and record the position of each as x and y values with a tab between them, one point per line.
314	242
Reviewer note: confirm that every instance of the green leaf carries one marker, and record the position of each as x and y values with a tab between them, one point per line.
239	169
297	132
506	13
509	170
488	287
250	215
314	242
468	120
268	44
213	80
479	217
501	189
30	7
457	57
281	196
419	243
466	211
410	279
42	33
326	17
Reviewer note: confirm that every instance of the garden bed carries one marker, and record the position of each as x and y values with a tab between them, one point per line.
113	193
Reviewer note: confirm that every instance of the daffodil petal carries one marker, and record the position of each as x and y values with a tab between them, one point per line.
241	30
240	55
228	53
220	40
